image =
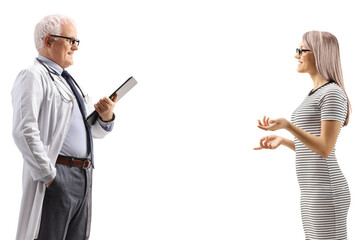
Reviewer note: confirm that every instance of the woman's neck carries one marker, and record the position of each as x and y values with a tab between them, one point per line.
317	80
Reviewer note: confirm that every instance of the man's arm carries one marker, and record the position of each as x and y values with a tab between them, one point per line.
105	123
27	98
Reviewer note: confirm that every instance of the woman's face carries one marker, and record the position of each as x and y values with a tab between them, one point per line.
306	60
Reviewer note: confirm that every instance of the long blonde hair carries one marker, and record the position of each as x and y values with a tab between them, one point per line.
325	48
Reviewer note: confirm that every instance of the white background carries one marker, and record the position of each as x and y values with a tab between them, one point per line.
179	163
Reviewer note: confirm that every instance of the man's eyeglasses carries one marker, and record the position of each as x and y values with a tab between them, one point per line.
72	41
300	51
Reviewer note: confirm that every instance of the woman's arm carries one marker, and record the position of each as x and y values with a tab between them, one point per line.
322	145
288	143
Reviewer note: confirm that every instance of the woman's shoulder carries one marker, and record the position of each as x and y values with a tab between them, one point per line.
332	89
332	94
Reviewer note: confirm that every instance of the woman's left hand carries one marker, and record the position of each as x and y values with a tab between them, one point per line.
273	125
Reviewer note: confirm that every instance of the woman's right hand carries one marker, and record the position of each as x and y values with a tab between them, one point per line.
270	142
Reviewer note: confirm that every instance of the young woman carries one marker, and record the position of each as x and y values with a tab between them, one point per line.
316	124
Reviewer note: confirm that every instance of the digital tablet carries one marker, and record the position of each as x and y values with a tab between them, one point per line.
121	91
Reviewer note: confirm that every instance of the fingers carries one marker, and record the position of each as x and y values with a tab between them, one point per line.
272	121
115	97
105	104
100	107
268	142
263	144
101	104
269	125
106	101
49	183
265	121
105	107
263	127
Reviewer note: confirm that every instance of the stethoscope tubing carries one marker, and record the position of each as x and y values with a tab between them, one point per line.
52	78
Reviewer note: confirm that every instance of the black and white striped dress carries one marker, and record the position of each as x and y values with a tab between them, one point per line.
325	196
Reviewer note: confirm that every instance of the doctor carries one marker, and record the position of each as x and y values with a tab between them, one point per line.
50	130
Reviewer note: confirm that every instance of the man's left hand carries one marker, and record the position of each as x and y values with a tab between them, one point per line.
105	107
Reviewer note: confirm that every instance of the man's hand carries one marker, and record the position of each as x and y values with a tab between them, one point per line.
105	107
49	183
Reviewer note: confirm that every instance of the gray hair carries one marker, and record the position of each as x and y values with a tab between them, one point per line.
49	25
325	48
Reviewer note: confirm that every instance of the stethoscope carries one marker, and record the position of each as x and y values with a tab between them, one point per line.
64	90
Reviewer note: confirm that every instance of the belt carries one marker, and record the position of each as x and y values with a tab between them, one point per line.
73	162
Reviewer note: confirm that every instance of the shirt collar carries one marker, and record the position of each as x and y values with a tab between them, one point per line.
55	67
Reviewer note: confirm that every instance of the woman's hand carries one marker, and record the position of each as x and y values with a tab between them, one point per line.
273	141
270	142
273	125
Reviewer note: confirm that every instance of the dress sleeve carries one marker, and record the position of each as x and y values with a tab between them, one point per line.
333	104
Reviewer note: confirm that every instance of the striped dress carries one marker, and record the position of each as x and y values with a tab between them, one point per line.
325	196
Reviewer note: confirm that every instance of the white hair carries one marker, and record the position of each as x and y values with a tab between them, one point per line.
49	25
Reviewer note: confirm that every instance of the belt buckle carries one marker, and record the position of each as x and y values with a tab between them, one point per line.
86	164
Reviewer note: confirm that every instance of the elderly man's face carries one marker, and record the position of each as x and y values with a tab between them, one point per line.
61	50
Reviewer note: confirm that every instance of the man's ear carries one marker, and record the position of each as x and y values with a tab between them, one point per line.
48	41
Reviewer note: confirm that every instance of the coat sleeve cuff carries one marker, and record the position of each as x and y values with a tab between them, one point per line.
107	126
48	178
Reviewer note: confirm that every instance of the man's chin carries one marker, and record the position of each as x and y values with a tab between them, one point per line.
68	64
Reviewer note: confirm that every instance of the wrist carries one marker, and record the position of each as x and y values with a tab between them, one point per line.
282	140
288	125
107	118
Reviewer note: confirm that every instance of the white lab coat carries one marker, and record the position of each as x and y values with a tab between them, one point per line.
41	120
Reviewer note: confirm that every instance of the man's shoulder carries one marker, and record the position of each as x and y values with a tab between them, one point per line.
34	74
37	68
35	71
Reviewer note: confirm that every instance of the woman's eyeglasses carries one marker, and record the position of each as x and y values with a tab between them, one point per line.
300	51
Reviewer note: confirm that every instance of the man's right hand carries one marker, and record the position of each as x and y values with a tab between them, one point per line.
49	183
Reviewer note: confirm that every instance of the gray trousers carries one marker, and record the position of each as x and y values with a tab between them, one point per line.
65	206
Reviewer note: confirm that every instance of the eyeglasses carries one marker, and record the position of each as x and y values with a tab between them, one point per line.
72	41
300	51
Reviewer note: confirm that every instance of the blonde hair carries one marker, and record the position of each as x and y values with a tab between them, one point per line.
325	48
